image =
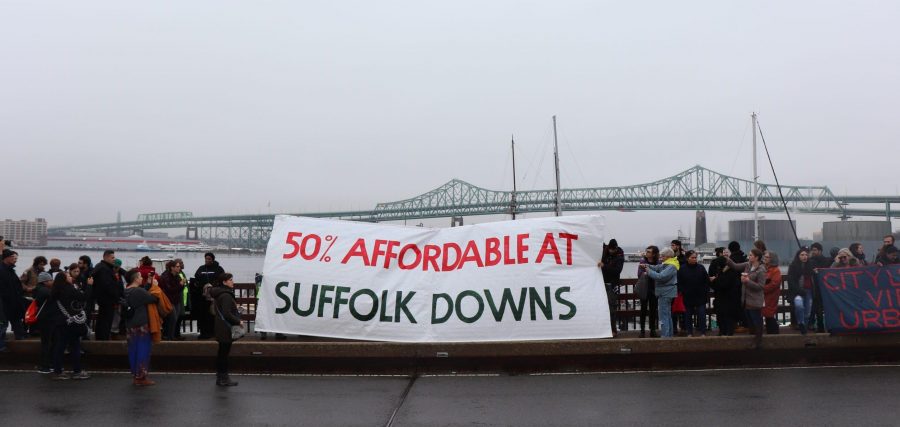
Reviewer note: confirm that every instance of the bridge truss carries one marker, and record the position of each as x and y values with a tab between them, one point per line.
697	188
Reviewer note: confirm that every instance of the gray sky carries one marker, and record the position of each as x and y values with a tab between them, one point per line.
222	107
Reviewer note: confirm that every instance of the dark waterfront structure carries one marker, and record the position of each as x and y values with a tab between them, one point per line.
700	229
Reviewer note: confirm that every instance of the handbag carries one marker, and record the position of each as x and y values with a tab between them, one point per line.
237	331
642	286
678	304
33	312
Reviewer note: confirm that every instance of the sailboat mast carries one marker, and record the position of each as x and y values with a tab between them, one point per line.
556	159
755	184
512	205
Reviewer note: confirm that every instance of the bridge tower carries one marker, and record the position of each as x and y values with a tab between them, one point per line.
700	226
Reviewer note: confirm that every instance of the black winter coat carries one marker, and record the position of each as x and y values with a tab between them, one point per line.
106	289
206	274
612	266
727	287
693	283
11	292
72	300
226	312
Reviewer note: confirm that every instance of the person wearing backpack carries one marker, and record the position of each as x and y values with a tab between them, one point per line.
227	315
134	311
45	319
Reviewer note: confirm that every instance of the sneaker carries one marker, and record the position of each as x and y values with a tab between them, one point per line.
44	370
61	376
4	349
83	375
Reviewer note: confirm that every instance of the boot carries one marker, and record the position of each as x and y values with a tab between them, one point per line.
802	329
143	382
223	380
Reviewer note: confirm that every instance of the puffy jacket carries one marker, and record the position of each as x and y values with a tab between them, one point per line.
666	277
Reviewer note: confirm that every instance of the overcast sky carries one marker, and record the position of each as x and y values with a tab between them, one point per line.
225	107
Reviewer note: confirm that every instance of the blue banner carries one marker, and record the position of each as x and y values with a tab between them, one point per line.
861	299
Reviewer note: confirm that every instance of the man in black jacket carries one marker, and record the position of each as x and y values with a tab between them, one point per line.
10	298
205	275
107	291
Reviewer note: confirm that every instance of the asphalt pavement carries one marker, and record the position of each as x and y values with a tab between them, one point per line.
765	397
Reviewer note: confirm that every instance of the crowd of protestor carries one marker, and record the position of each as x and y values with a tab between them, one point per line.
139	305
674	288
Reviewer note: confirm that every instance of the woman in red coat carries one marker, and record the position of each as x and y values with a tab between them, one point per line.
772	291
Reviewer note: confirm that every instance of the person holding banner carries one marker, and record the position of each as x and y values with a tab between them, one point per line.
891	256
611	264
845	259
753	279
859	253
665	275
881	256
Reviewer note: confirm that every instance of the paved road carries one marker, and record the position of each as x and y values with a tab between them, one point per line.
822	396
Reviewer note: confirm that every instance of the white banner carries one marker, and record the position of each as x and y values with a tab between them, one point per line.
532	279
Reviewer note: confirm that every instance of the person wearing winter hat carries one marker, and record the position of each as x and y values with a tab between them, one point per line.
611	264
45	320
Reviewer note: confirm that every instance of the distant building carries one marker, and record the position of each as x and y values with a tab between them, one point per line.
24	232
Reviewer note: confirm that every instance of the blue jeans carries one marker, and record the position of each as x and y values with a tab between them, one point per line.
803	308
689	312
664	305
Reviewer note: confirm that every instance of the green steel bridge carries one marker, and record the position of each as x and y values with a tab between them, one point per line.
697	188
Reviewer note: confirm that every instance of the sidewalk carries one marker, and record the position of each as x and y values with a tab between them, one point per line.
320	356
